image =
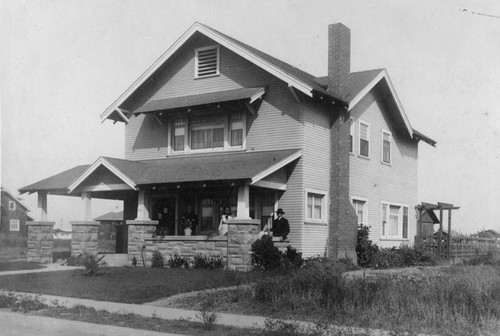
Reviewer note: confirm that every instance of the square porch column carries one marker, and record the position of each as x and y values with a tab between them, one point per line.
243	210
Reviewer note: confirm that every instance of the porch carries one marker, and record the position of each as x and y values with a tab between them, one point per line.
157	194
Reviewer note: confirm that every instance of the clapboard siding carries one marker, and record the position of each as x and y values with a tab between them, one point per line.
316	172
277	124
377	182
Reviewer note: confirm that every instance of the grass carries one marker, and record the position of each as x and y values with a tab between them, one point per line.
461	300
18	265
128	285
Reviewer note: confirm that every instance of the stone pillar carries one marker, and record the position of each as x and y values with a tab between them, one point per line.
241	234
40	241
138	232
84	237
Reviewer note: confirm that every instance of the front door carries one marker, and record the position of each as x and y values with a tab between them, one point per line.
164	210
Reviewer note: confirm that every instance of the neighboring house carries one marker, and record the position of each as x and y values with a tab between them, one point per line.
61	234
14	216
215	122
489	234
429	219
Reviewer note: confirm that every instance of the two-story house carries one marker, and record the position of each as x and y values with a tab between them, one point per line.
216	123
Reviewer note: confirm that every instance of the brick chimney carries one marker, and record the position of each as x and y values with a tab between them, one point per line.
339	60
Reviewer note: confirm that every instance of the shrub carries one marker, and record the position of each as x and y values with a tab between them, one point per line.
207	312
365	249
158	260
207	262
265	255
292	258
403	256
490	258
134	261
176	261
93	264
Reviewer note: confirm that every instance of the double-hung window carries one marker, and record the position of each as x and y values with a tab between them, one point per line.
394	221
364	139
361	211
14	225
386	147
208	132
315	206
351	136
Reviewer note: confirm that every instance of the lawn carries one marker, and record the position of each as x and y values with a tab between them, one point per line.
18	265
128	285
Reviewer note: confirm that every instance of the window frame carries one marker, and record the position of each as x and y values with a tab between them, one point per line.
189	126
382	160
361	122
324	205
14	222
196	62
351	137
365	208
401	221
12	205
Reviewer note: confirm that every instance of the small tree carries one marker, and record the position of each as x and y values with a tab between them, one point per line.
158	260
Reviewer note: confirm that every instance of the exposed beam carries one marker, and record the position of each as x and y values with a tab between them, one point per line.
250	108
270	185
292	90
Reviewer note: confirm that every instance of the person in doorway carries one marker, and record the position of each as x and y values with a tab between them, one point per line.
190	219
223	227
280	228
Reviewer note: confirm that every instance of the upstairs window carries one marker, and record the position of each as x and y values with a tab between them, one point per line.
12	205
364	139
351	137
207	62
208	132
386	147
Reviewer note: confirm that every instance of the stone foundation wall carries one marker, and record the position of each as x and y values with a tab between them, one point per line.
40	241
84	237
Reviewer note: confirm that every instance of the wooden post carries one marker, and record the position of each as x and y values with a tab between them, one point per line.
243	211
143	205
42	206
440	234
87	206
449	233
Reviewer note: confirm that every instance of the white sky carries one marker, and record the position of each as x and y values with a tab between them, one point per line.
64	62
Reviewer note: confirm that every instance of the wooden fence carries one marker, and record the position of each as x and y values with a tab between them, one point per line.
460	247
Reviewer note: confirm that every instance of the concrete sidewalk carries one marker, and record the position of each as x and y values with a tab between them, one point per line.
48	268
16	324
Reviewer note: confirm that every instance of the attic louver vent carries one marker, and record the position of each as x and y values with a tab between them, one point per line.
207	62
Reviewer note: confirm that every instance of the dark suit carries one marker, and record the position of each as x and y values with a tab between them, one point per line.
281	228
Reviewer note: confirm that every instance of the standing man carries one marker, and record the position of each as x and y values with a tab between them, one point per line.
281	228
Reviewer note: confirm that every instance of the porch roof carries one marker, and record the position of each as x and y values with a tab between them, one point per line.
251	166
202	99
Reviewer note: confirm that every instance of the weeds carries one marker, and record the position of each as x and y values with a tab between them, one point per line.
24	303
207	312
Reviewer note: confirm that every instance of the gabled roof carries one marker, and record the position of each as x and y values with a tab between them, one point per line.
296	78
362	82
15	198
250	166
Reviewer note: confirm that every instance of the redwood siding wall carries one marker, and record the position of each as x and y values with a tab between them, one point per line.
316	160
378	182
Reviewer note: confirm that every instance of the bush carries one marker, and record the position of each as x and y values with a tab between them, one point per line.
365	249
176	261
490	258
157	260
265	255
292	258
93	264
207	262
403	256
